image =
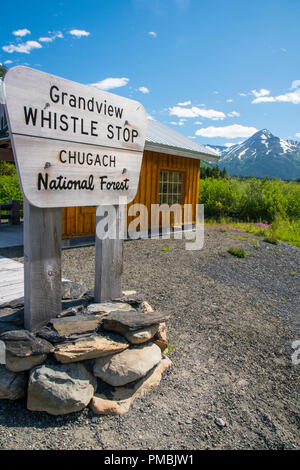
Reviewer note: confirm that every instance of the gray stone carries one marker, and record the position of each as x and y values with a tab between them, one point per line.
133	320
127	366
142	335
60	330
21	364
60	389
16	303
118	400
104	308
72	290
5	326
12	386
22	343
220	422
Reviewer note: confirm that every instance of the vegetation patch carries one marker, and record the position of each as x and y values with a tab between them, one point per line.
271	240
237	252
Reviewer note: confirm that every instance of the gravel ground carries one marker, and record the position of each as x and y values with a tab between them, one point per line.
233	322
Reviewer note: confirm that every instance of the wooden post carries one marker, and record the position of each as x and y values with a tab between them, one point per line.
109	262
42	265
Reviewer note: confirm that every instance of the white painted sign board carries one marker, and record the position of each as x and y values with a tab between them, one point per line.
74	145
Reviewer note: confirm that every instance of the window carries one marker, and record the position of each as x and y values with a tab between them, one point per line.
170	187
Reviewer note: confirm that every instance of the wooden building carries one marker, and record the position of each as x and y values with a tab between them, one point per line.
170	174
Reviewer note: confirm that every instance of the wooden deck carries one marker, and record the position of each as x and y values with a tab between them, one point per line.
11	280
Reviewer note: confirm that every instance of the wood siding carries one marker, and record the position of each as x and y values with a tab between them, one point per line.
81	221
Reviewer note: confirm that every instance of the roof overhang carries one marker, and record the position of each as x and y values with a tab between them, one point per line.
181	152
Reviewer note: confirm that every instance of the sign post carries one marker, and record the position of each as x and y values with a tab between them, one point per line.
73	146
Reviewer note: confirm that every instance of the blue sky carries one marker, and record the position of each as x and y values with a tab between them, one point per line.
216	70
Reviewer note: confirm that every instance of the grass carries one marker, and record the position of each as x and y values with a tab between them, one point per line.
271	240
281	229
237	252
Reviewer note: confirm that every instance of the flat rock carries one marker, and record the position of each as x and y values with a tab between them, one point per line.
16	303
12	386
104	308
160	338
72	290
15	317
71	328
127	366
145	307
133	320
5	326
90	348
22	343
119	400
60	389
132	299
21	364
142	335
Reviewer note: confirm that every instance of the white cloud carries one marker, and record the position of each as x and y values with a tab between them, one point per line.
261	92
233	114
198	123
21	32
79	33
46	39
215	92
243	94
179	123
144	89
153	34
185	103
229	100
52	37
24	47
292	97
227	132
295	84
297	134
150	118
110	83
7	62
195	112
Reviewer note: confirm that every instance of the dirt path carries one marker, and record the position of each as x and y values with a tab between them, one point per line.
232	327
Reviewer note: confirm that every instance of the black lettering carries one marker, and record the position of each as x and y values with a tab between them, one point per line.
48	119
30	115
112	160
94	128
102	182
110	130
42	181
54	98
60	156
72	101
81	100
118	112
63	97
110	110
134	134
64	120
126	136
90	105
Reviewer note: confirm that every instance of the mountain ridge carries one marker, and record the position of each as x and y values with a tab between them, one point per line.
262	154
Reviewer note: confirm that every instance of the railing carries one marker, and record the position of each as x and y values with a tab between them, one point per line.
10	212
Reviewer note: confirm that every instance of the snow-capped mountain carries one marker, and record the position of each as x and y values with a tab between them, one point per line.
260	155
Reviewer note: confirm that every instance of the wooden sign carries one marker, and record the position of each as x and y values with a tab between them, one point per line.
73	144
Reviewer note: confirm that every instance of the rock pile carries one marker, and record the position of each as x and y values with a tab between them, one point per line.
102	355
